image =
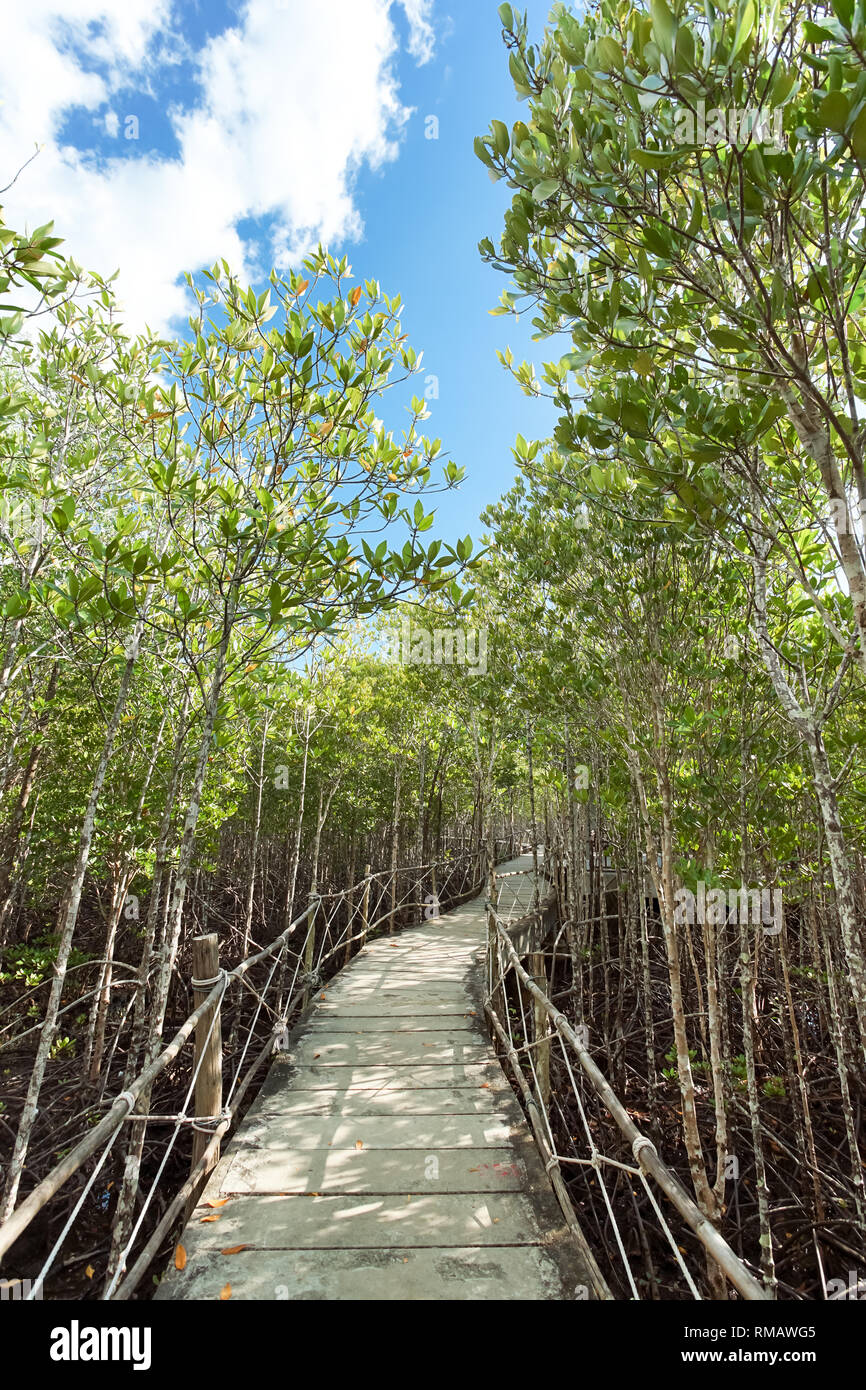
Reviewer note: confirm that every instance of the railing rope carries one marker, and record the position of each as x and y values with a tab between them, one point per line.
503	954
212	1116
20	1219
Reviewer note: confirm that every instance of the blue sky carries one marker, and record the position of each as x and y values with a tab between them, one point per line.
424	217
176	133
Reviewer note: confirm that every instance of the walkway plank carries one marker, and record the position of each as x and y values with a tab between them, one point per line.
385	1156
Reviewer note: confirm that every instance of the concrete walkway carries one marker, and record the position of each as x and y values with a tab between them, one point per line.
385	1156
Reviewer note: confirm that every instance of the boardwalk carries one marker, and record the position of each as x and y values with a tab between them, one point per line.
385	1156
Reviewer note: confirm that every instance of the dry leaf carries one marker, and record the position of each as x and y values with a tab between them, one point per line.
355	296
302	285
211	1218
90	1271
180	1258
216	1202
359	1143
233	1249
226	1292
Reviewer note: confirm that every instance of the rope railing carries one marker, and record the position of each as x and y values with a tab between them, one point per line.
276	984
537	1040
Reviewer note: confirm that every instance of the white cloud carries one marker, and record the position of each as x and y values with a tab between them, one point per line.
421	36
290	103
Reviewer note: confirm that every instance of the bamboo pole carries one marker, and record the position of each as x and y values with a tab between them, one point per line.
365	907
542	1030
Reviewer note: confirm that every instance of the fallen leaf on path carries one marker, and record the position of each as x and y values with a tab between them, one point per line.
180	1258
226	1292
216	1202
359	1143
234	1249
211	1218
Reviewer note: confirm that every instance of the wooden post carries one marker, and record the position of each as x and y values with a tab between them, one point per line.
395	847
365	907
209	1081
350	927
309	951
542	1029
350	903
434	889
496	997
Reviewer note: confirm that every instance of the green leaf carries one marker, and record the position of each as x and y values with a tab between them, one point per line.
545	189
656	242
482	152
745	28
609	53
500	137
664	26
815	33
834	111
654	159
857	136
724	338
844	12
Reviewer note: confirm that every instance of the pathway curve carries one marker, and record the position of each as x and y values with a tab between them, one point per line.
385	1156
